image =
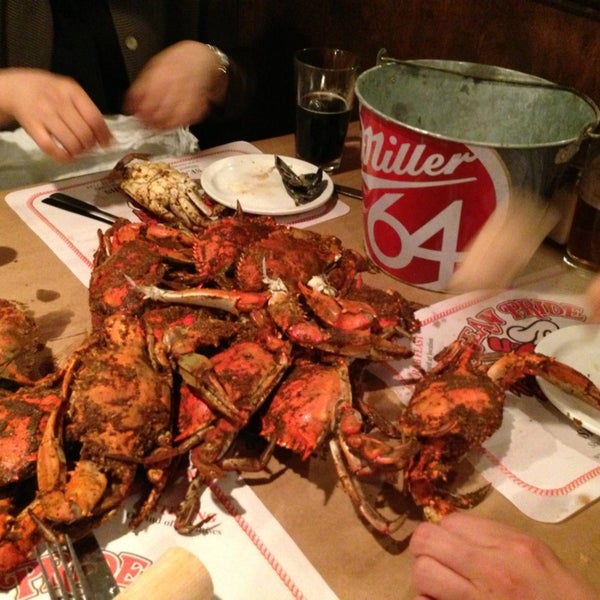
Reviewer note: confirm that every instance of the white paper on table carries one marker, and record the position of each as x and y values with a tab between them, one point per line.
23	163
537	459
246	551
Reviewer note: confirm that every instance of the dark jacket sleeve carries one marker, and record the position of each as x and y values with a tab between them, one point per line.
218	24
25	33
215	22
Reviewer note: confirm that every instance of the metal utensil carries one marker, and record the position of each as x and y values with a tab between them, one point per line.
63	576
348	191
99	575
79	207
76	570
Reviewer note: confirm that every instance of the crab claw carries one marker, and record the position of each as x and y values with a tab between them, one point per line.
345	315
516	365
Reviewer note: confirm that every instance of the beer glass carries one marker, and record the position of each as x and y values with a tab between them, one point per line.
583	244
325	79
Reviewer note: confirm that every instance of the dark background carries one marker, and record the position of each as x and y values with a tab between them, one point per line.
555	39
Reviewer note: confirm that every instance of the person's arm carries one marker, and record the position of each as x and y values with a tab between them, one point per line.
465	557
54	110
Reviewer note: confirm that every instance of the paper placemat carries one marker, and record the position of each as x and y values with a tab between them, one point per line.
245	549
537	459
74	238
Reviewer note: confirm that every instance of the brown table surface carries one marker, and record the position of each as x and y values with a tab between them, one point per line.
306	499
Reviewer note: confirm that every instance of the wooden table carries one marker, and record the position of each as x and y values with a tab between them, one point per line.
306	498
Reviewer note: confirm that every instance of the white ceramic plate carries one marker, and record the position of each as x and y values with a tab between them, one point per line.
579	347
254	182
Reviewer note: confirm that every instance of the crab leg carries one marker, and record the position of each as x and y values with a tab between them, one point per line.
358	498
345	315
514	366
64	500
231	301
288	314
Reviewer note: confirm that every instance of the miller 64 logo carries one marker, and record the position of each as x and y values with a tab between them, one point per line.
424	199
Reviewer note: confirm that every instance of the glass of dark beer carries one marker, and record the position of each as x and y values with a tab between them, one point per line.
325	79
583	244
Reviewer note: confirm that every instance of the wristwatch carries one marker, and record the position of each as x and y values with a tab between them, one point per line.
224	64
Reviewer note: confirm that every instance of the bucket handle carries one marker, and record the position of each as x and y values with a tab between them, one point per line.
383	57
566	153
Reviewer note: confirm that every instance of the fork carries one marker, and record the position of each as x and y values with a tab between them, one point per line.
63	576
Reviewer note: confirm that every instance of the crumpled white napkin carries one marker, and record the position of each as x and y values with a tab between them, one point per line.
23	163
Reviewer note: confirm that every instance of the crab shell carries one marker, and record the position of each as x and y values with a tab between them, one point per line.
133	252
24	415
167	193
23	355
118	404
218	248
302	411
289	254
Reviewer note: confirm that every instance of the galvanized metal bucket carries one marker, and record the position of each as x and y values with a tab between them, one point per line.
443	145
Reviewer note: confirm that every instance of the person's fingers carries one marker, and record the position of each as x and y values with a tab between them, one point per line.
79	125
66	133
435	580
475	529
152	112
165	111
177	87
48	143
486	533
71	134
593	299
58	114
58	141
445	546
133	99
158	115
94	121
494	259
448	568
484	559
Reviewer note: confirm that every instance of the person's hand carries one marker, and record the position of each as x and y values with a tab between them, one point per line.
54	110
179	86
465	557
593	299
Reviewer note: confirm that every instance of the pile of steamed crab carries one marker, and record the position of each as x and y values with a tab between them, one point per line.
204	321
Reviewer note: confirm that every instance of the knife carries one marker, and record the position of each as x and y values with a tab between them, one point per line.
79	207
101	580
348	191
